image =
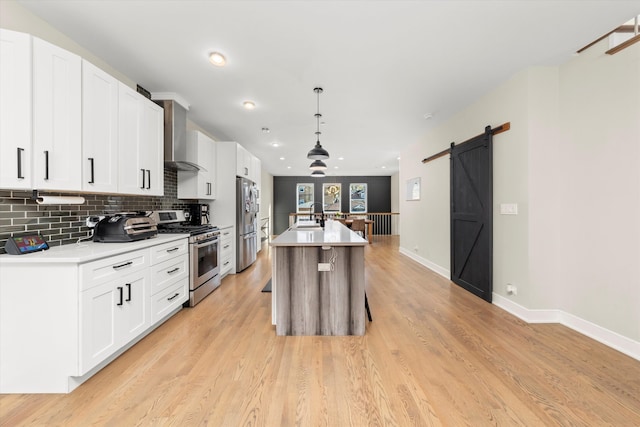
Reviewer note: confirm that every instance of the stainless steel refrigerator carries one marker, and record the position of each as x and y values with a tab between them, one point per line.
246	223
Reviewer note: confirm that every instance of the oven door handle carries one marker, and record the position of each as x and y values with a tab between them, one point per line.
206	243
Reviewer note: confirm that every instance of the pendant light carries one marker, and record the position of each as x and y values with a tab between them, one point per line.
318	165
317	174
317	152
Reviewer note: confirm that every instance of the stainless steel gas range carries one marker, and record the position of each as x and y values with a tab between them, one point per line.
204	252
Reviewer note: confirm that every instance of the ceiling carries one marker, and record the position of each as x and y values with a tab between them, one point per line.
383	65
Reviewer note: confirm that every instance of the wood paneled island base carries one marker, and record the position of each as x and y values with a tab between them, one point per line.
307	301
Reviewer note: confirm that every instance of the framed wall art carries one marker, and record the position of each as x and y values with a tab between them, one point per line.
357	198
304	198
413	189
331	197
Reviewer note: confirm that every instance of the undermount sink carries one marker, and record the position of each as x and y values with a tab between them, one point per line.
306	226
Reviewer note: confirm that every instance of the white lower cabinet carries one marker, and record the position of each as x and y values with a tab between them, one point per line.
82	312
226	250
112	314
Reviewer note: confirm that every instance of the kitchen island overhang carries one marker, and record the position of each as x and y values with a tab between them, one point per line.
318	285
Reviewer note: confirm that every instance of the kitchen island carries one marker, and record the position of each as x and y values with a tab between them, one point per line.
318	281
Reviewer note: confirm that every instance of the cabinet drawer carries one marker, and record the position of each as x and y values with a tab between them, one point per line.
226	234
225	264
169	250
97	272
168	272
169	299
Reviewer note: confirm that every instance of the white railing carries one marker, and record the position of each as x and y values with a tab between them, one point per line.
384	223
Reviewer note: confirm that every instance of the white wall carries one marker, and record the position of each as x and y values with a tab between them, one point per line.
571	162
266	198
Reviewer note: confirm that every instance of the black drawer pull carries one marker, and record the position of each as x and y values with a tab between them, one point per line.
46	165
226	263
148	179
173	297
20	150
120	291
173	271
143	181
128	285
92	181
225	246
126	264
172	250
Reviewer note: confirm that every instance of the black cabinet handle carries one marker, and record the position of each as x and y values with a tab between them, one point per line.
173	297
225	246
128	285
173	271
148	179
20	150
226	263
142	170
92	174
126	264
120	291
46	165
172	249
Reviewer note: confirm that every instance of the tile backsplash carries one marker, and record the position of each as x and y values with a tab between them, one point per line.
65	224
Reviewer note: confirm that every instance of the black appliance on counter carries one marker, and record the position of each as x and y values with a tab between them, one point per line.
126	227
199	214
204	251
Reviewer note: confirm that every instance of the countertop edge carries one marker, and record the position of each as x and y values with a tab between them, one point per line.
334	234
69	254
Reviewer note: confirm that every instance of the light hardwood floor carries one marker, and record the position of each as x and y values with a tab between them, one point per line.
433	355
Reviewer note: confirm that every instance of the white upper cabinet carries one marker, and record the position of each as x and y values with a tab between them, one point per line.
201	184
247	165
57	117
152	146
140	150
15	110
99	130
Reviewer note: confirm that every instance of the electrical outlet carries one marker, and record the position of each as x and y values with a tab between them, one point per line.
511	289
324	266
415	249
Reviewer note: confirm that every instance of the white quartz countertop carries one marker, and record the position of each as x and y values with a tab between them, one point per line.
334	234
87	251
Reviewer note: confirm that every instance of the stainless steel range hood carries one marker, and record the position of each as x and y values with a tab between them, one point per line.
175	136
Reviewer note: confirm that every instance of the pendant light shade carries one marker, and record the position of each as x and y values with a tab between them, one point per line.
317	165
317	174
317	152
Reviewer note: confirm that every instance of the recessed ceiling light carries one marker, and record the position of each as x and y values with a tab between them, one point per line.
428	115
288	167
217	59
340	158
281	158
249	105
398	158
335	167
275	144
384	167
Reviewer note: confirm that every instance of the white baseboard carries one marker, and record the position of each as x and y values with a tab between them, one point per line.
429	264
609	338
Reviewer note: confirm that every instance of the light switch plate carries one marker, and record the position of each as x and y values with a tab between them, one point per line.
508	209
324	266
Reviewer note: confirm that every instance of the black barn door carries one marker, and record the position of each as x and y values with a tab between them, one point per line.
471	214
